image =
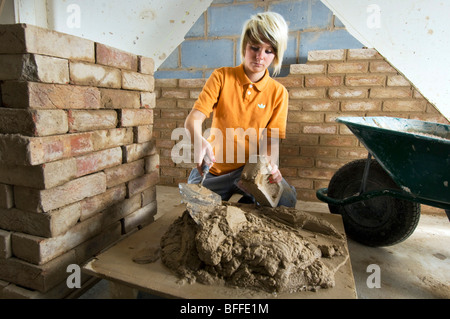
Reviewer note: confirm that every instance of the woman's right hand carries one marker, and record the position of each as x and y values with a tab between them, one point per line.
204	156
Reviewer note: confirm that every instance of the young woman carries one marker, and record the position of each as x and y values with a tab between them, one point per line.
243	99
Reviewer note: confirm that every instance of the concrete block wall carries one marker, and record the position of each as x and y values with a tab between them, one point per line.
333	83
214	39
78	161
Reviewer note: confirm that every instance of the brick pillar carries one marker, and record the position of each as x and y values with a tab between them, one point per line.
78	163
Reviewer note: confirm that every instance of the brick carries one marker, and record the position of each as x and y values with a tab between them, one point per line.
140	184
325	105
41	278
348	67
137	81
6	196
397	80
363	54
194	94
49	96
365	80
136	117
316	173
338	140
305	117
95	245
350	106
388	93
95	75
174	114
91	120
307	93
25	38
326	55
345	93
20	150
39	250
139	218
291	81
307	68
48	149
146	65
175	93
352	153
96	204
317	151
41	176
32	67
45	225
46	200
116	58
124	173
104	139
120	99
319	129
98	161
5	244
148	100
149	195
382	67
164	83
296	161
120	210
191	83
317	81
143	133
404	106
152	164
33	122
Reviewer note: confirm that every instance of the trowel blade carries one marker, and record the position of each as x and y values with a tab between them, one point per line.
198	199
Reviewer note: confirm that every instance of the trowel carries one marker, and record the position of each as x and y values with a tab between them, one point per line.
199	199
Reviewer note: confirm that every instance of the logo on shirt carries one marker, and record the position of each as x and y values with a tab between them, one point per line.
261	106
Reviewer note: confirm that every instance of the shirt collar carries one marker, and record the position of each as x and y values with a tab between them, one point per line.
244	80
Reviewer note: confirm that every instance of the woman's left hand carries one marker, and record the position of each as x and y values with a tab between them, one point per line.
275	176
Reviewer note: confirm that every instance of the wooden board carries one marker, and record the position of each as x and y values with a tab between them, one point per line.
116	264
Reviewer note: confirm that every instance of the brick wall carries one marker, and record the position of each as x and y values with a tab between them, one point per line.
354	82
78	163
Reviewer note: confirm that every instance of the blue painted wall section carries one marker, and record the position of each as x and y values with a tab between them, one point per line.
213	40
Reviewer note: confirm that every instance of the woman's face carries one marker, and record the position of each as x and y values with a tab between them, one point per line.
258	57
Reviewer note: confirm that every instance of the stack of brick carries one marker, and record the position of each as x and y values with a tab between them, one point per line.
78	162
333	83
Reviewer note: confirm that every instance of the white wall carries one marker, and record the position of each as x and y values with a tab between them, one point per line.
152	28
413	35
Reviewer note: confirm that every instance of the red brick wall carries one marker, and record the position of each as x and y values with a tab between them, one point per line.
333	83
78	163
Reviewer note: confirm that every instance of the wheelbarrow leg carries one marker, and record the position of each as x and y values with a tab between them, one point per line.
447	211
365	174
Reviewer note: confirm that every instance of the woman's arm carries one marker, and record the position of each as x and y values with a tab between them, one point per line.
203	152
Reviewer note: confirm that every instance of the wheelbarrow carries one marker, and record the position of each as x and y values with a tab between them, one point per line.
379	197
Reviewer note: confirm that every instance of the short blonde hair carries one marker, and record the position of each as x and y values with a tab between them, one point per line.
270	28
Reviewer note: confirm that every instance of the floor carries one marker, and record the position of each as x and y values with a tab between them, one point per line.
417	268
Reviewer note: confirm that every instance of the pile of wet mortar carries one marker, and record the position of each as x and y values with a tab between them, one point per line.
264	249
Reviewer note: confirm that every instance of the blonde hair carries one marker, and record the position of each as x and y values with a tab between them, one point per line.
270	28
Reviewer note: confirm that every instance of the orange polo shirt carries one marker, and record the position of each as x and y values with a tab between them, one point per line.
245	109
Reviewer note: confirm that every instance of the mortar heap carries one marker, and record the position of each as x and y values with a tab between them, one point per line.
275	250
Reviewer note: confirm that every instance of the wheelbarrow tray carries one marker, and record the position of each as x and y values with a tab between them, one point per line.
416	154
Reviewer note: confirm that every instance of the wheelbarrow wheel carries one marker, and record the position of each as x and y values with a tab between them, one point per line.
379	221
